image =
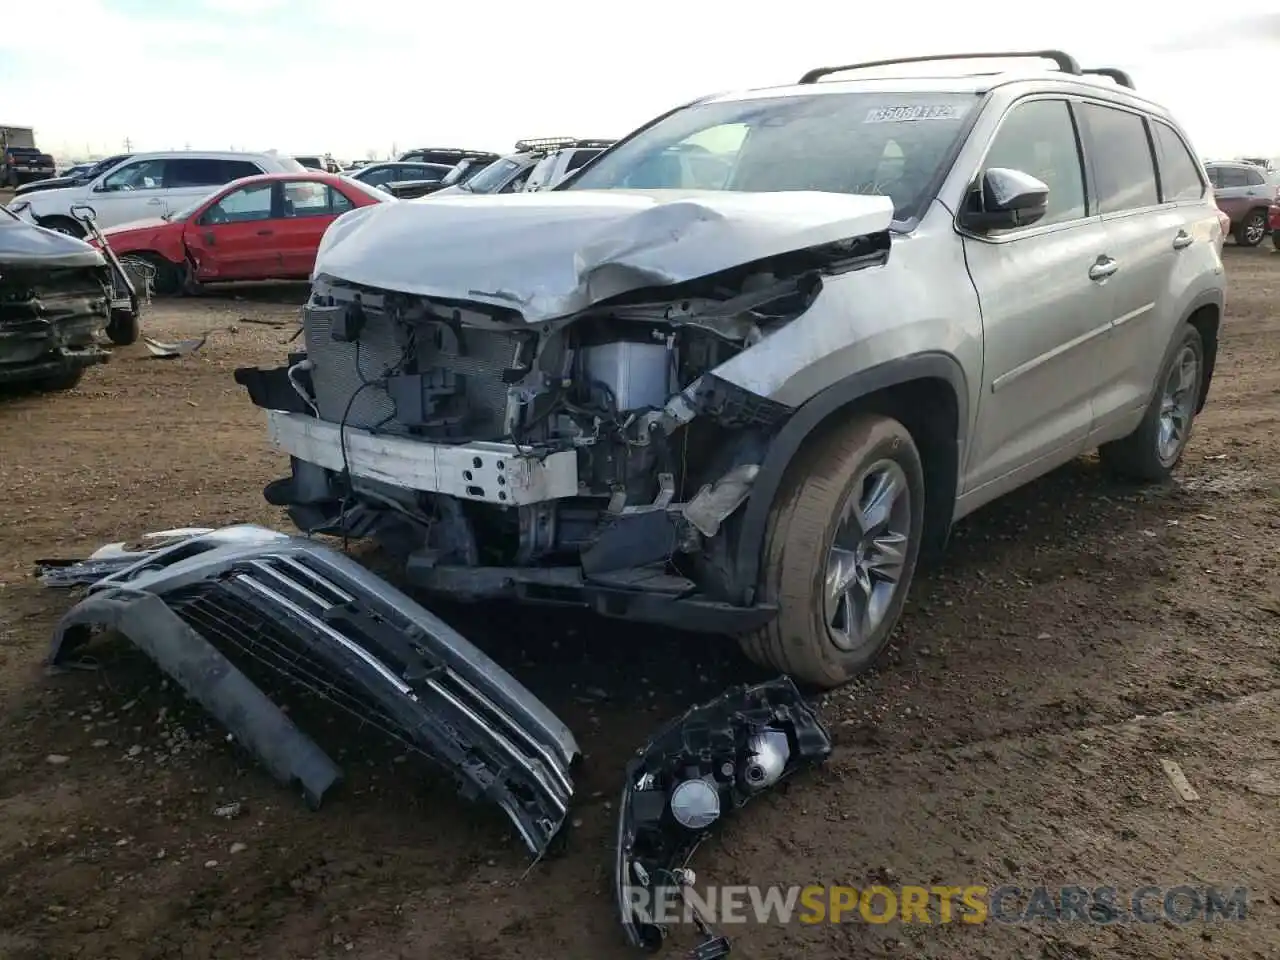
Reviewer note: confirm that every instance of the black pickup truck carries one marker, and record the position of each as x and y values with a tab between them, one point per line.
25	165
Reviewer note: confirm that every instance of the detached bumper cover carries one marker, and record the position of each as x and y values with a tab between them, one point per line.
210	604
698	769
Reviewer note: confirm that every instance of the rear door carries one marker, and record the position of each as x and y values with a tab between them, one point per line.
1140	233
1160	229
1044	317
235	238
307	210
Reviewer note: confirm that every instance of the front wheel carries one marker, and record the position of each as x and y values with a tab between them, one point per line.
841	549
1252	229
124	328
1150	453
56	382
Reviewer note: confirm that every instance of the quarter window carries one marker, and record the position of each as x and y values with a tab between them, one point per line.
1179	173
1039	138
1122	159
1233	177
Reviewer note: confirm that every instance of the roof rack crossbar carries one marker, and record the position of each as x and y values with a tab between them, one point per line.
1066	63
1116	74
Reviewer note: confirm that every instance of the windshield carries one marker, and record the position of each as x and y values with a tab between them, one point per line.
492	177
878	143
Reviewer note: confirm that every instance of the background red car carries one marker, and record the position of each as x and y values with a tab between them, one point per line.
266	227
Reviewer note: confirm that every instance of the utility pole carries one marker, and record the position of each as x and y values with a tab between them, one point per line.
128	145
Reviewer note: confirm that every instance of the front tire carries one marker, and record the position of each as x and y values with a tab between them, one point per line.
58	382
841	548
1252	230
1150	453
124	328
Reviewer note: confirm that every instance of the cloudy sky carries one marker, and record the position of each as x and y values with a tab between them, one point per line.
351	77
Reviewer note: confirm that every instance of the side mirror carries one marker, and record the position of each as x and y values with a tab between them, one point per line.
1004	200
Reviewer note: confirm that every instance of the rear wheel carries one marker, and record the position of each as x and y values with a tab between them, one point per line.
170	277
63	225
1251	231
842	543
1151	452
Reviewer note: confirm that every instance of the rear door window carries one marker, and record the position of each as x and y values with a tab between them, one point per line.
1121	158
235	169
1233	177
194	172
307	198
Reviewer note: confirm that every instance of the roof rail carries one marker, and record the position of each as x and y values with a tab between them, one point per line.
1066	63
544	143
1119	76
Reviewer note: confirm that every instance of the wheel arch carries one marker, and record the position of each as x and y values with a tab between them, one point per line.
909	389
1205	314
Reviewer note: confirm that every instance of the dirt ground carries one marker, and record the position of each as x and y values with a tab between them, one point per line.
1077	633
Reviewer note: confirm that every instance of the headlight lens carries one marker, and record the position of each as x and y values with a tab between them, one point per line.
18	206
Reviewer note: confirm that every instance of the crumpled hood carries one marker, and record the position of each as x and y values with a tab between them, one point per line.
555	253
25	245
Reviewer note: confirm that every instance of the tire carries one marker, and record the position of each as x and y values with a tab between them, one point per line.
124	328
805	640
1252	230
170	278
1149	454
63	225
60	381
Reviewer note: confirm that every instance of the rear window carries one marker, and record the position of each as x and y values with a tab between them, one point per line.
492	177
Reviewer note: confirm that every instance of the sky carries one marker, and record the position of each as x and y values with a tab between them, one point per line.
349	78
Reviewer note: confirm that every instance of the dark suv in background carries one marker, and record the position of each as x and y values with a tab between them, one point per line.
1244	191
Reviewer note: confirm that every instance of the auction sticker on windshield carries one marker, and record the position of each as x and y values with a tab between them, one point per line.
918	111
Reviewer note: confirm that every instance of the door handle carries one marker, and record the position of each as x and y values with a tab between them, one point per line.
1183	240
154	202
208	238
265	233
1103	268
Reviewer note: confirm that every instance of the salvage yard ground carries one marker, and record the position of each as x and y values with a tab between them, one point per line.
1077	633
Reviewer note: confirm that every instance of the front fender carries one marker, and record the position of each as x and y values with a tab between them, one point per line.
807	418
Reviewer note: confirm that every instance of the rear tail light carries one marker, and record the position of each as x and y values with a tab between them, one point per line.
1224	222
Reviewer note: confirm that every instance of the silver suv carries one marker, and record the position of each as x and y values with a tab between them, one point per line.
739	370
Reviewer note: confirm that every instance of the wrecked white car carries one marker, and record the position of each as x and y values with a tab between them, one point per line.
737	371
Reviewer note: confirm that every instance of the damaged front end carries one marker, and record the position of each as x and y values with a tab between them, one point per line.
698	770
214	608
55	304
562	428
